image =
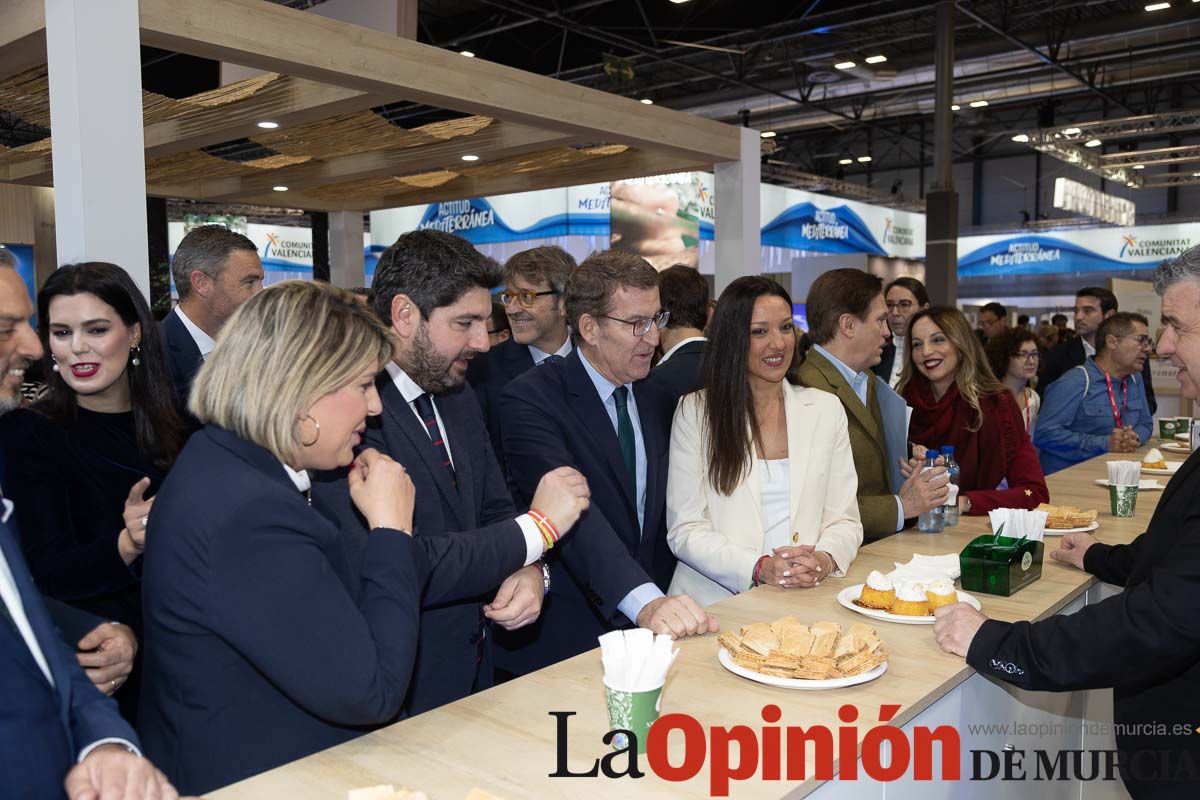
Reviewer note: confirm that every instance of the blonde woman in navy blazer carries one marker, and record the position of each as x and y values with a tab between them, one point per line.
262	644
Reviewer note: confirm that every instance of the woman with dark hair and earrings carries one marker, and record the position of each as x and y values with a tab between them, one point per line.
762	483
83	464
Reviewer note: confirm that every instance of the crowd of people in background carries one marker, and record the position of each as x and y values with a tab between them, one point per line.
316	511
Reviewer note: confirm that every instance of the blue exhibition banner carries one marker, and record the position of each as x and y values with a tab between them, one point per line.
805	226
477	221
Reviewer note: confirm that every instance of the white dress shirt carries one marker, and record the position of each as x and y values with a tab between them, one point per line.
541	355
204	342
897	361
410	391
775	488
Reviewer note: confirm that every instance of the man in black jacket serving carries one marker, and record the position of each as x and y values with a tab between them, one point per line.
1145	642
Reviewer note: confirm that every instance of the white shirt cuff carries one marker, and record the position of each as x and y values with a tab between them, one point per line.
899	514
638	599
87	751
534	545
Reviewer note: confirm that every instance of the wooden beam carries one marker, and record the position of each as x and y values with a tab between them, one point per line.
319	49
499	140
22	36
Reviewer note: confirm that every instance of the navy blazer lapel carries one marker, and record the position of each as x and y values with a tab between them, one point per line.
517	360
594	420
39	622
397	413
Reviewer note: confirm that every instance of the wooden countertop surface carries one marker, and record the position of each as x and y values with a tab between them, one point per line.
504	740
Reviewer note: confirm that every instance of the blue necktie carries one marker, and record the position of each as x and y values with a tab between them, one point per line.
549	360
424	404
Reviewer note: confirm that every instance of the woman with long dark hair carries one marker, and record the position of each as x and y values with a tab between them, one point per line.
957	401
762	482
84	463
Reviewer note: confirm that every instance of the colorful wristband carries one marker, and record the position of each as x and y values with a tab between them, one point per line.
757	569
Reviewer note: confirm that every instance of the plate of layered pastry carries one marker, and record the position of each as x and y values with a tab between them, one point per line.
791	655
906	602
1177	447
1154	463
1068	519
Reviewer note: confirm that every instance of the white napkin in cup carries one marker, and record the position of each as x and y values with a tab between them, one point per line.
926	569
636	660
1124	473
1019	522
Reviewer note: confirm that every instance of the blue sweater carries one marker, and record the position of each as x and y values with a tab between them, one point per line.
1077	417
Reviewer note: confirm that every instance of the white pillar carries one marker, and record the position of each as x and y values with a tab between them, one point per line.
94	62
346	263
738	250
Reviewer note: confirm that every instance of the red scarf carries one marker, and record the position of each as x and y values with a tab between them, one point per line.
983	455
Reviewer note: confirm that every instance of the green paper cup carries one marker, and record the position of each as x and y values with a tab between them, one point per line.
1123	500
632	711
1167	428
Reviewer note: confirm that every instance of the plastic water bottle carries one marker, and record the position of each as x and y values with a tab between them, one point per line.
950	510
933	520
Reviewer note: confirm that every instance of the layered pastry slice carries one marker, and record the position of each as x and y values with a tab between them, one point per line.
911	600
878	592
941	593
1154	459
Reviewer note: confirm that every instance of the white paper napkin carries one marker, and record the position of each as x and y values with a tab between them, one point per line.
1019	523
636	660
927	569
1124	473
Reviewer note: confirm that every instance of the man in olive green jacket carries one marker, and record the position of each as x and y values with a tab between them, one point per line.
847	321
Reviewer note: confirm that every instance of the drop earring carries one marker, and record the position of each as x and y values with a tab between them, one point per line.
136	352
54	363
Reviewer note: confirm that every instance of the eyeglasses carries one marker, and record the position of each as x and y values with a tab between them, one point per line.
641	325
525	298
1027	355
1143	340
901	305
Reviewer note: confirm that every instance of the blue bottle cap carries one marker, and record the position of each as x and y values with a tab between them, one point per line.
948	450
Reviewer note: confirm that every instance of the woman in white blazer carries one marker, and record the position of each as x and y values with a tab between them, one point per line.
762	483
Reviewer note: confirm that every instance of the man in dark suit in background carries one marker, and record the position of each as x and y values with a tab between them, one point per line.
1156	693
684	293
595	412
432	289
1093	305
533	300
56	730
215	270
903	297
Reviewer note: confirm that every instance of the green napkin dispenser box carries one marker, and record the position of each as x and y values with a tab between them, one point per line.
1000	565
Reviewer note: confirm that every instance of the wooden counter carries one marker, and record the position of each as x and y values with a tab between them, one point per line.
504	740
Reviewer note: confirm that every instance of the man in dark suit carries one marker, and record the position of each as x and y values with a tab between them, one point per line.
684	293
57	730
533	300
595	412
432	288
1145	642
904	297
1093	305
215	270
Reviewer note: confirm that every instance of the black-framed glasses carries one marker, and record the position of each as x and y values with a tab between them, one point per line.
1144	341
642	325
1027	355
900	305
525	297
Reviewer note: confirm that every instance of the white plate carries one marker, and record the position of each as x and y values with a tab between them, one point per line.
797	683
847	596
1184	437
1144	485
1176	447
1060	531
1172	468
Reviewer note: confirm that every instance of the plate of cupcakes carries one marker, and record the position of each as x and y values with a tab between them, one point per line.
906	602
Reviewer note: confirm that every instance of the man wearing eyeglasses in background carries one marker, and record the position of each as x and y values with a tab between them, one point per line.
1099	407
595	411
533	300
904	296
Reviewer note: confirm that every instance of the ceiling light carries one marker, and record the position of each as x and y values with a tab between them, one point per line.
268	125
279	188
844	161
1157	6
978	103
1139	166
677	2
845	65
1021	137
1092	143
955	107
1072	132
470	158
646	101
882	58
863	159
466	53
767	134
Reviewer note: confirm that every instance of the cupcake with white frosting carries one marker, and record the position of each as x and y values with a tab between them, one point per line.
878	592
911	600
941	593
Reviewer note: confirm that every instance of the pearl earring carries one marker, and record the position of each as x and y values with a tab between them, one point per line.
136	351
54	363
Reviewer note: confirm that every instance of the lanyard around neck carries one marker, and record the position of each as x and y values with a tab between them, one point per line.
1112	398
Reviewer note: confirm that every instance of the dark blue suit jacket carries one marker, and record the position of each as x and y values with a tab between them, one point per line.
182	355
488	374
256	652
553	418
468	539
43	728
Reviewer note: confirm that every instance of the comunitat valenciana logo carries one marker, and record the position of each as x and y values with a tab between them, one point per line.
1152	248
883	753
278	247
896	234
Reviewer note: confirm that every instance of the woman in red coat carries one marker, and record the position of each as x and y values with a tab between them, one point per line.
957	401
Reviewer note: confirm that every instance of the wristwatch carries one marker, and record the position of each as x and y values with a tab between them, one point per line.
545	578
